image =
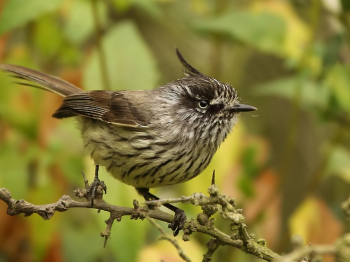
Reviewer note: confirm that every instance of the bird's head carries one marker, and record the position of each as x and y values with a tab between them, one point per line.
203	104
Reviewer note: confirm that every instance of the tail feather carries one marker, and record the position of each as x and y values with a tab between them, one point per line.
47	82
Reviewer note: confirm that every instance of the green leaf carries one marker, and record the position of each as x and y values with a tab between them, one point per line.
122	5
130	64
346	5
82	234
265	31
79	20
66	147
250	166
312	94
246	186
149	7
14	165
45	192
47	36
19	12
339	163
338	80
23	119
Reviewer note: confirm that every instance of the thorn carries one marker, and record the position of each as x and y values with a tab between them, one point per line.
86	182
213	178
82	171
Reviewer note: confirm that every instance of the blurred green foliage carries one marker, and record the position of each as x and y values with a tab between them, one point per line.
248	27
288	164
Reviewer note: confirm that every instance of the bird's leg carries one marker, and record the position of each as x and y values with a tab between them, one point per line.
94	185
180	217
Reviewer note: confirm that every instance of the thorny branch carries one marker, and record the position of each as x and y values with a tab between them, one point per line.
306	253
212	245
172	240
215	202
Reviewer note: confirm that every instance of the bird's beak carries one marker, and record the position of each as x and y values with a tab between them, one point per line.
241	108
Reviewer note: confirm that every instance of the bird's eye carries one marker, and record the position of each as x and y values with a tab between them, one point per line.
203	104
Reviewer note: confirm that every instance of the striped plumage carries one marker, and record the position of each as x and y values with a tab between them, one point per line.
169	149
149	138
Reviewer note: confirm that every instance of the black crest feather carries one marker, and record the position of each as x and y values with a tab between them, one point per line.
189	70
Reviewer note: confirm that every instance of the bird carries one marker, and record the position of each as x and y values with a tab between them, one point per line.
148	138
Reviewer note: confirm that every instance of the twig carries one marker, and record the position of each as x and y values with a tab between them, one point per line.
199	199
172	240
212	245
307	251
86	182
16	207
140	212
107	233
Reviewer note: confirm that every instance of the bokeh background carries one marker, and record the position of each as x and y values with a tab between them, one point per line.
287	164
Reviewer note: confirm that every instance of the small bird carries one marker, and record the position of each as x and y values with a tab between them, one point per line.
149	138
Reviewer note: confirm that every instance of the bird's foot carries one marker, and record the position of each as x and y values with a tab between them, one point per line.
180	217
178	223
94	186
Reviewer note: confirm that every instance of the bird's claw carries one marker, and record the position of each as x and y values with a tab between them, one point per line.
93	188
179	220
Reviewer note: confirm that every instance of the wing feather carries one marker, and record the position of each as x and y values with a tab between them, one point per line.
108	106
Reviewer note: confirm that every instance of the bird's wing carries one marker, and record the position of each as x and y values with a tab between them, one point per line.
108	106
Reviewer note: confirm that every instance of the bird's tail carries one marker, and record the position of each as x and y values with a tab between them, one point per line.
46	82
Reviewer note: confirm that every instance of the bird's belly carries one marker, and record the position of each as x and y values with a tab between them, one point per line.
140	159
149	170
